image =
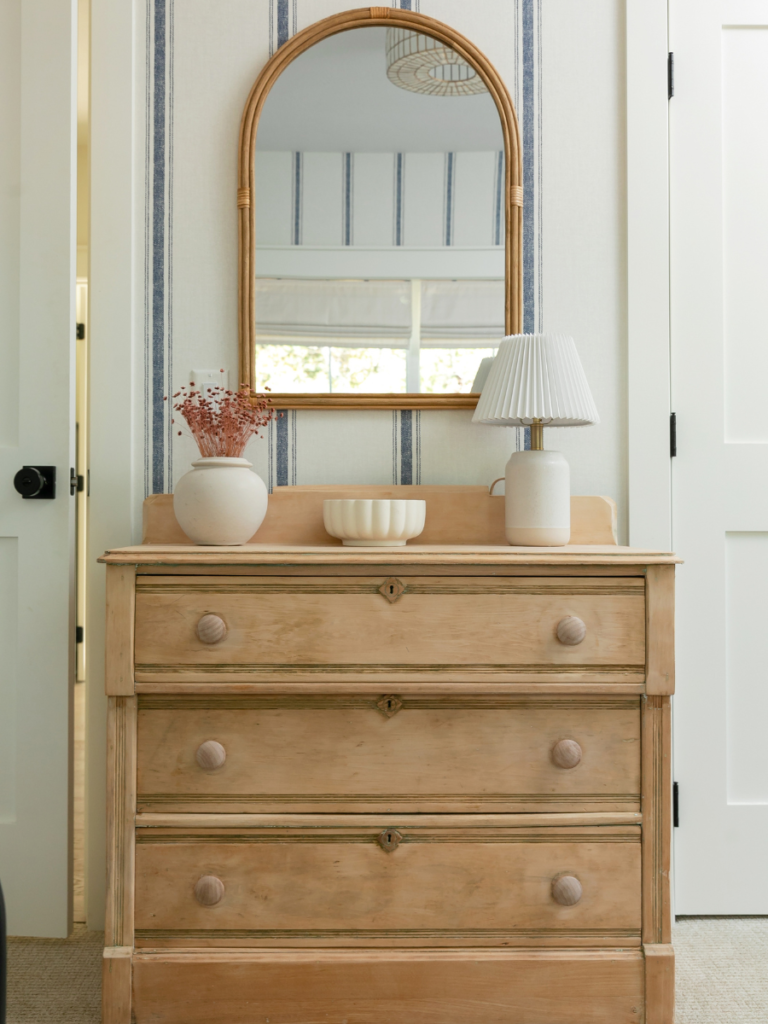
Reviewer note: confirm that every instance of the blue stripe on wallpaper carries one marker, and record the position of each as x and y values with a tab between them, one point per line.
347	174
158	253
147	251
449	197
406	446
169	329
281	449
540	164
296	192
283	34
399	203
528	168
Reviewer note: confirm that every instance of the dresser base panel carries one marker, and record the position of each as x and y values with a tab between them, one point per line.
456	987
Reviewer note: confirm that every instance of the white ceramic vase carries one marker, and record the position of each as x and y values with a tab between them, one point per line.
220	501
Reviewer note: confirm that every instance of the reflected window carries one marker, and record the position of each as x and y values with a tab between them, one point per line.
379	336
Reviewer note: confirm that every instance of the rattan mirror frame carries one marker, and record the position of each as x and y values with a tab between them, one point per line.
513	264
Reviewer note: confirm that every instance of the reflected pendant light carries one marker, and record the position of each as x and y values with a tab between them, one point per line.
420	63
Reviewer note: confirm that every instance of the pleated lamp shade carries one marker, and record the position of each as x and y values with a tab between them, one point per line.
536	377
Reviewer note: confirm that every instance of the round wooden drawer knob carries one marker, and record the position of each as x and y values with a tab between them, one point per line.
210	755
565	754
211	629
209	890
571	631
566	890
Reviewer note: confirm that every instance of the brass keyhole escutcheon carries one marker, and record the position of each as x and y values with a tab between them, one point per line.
389	704
392	589
389	839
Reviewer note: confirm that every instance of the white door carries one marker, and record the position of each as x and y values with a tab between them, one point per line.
719	328
37	325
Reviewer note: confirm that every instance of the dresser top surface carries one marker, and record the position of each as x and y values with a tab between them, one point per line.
410	555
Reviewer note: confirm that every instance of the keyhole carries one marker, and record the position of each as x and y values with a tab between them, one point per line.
391	589
389	839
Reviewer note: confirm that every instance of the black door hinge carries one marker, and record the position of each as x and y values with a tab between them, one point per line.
670	75
672	435
78	634
675	805
79	331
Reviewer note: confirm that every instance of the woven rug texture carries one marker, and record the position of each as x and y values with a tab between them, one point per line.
722	974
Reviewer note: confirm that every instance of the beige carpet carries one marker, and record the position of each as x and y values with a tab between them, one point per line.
55	980
722	970
722	974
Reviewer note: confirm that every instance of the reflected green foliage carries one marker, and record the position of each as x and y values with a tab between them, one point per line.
292	368
325	369
448	370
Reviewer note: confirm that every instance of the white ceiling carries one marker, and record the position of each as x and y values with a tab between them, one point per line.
336	97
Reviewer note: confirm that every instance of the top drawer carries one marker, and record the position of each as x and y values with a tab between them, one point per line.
460	627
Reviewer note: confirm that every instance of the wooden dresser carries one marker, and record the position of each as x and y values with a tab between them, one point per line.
355	785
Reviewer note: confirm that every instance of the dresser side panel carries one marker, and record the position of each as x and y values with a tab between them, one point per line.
660	629
119	633
659	984
656	801
121	812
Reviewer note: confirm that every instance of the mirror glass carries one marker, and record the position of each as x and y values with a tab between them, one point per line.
379	219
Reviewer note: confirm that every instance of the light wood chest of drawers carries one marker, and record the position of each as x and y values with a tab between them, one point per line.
381	787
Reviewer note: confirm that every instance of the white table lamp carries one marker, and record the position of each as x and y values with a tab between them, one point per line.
537	380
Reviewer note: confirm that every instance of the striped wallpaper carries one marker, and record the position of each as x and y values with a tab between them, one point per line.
292	451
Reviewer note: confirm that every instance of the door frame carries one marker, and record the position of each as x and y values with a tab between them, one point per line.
112	382
648	280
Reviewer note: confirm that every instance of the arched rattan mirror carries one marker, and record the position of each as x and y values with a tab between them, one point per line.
380	216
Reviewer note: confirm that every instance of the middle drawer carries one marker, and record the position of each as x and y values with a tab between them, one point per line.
393	752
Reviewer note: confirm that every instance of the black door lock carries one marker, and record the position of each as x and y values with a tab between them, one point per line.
36	481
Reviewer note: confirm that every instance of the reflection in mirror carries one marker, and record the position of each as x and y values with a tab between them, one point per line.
379	217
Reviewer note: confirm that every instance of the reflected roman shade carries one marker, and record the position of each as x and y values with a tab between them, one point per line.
340	313
462	313
377	314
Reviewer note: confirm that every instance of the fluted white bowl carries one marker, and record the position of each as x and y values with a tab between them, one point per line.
374	522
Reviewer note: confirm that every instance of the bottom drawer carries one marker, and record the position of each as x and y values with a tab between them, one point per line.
418	880
432	987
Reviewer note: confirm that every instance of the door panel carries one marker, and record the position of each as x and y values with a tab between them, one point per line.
37	283
719	222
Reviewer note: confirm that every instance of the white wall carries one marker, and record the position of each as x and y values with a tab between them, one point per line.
164	250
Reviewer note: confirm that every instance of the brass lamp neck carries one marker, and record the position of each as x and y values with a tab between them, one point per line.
537	436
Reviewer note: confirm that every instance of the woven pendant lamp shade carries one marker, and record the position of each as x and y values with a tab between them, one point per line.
536	377
419	63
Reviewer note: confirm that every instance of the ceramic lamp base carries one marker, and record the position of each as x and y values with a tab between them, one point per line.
538	499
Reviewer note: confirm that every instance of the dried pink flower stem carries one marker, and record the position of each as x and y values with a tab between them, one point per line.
223	422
